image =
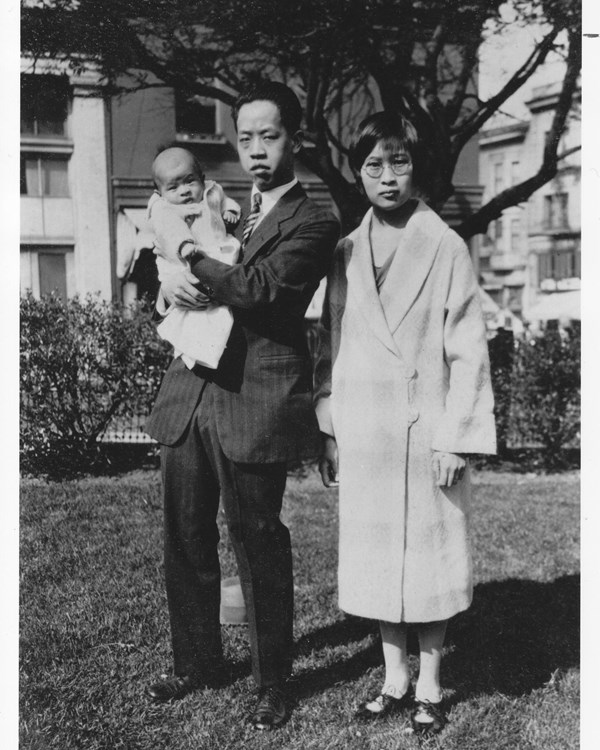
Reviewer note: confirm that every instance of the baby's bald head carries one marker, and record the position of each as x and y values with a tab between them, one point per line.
174	170
173	158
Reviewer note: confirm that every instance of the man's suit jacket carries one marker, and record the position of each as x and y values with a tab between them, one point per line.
263	386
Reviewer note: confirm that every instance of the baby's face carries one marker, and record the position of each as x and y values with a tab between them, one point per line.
178	179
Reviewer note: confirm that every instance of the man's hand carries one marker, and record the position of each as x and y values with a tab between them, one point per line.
328	462
449	468
179	289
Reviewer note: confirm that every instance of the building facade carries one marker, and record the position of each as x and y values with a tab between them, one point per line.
534	249
86	178
66	231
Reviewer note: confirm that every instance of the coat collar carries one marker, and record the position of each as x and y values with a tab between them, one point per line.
361	280
269	227
409	269
412	262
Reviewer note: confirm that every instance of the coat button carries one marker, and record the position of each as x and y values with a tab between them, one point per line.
413	415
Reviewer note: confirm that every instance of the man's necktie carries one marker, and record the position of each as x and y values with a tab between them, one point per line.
251	219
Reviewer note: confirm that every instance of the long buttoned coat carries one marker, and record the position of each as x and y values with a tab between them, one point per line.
402	373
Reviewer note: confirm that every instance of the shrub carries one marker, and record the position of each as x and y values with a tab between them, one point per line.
83	362
546	392
536	383
502	349
87	363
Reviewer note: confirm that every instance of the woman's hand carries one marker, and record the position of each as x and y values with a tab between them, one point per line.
179	289
449	468
328	462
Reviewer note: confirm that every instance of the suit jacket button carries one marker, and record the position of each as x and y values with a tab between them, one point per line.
413	415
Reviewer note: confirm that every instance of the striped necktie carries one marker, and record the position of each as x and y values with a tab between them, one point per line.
251	219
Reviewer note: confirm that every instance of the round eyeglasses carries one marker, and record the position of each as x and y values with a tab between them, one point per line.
399	167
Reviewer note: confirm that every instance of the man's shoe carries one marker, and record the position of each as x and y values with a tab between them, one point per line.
270	710
170	689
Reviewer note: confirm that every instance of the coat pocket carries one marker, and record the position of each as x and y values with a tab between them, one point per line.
289	372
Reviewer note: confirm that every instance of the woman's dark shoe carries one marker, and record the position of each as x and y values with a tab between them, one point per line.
384	705
428	717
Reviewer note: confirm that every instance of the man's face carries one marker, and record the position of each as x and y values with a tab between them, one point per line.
265	147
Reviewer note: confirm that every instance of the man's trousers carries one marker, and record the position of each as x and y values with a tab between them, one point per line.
195	472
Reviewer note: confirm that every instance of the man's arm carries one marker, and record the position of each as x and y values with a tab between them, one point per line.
179	288
300	259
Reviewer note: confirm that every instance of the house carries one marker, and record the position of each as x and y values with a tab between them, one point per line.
533	250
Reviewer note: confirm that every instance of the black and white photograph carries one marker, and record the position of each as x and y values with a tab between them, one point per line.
299	374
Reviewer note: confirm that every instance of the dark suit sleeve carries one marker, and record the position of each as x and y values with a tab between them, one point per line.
298	260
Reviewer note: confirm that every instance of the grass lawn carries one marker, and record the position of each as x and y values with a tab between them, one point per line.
94	627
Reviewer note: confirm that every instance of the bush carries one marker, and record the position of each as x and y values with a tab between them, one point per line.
546	392
83	363
87	364
502	349
537	393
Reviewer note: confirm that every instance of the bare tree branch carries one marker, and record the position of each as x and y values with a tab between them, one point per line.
492	210
413	56
568	152
471	125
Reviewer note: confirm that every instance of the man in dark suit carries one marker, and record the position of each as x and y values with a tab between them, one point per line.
230	432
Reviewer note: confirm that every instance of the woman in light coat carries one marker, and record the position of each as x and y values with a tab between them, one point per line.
403	396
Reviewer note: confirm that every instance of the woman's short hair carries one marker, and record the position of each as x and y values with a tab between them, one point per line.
281	95
395	133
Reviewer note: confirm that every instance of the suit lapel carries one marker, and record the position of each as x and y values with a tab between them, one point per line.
269	227
411	264
361	282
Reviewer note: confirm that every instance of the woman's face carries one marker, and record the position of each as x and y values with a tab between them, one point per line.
393	186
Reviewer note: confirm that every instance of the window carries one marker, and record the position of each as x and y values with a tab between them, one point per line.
515	235
194	116
44	175
45	269
484	263
44	109
556	211
498	177
514	172
495	230
559	264
53	274
514	298
44	105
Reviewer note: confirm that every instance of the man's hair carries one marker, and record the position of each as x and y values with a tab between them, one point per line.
395	133
278	93
175	144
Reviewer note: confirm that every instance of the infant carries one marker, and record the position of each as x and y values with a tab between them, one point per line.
188	215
